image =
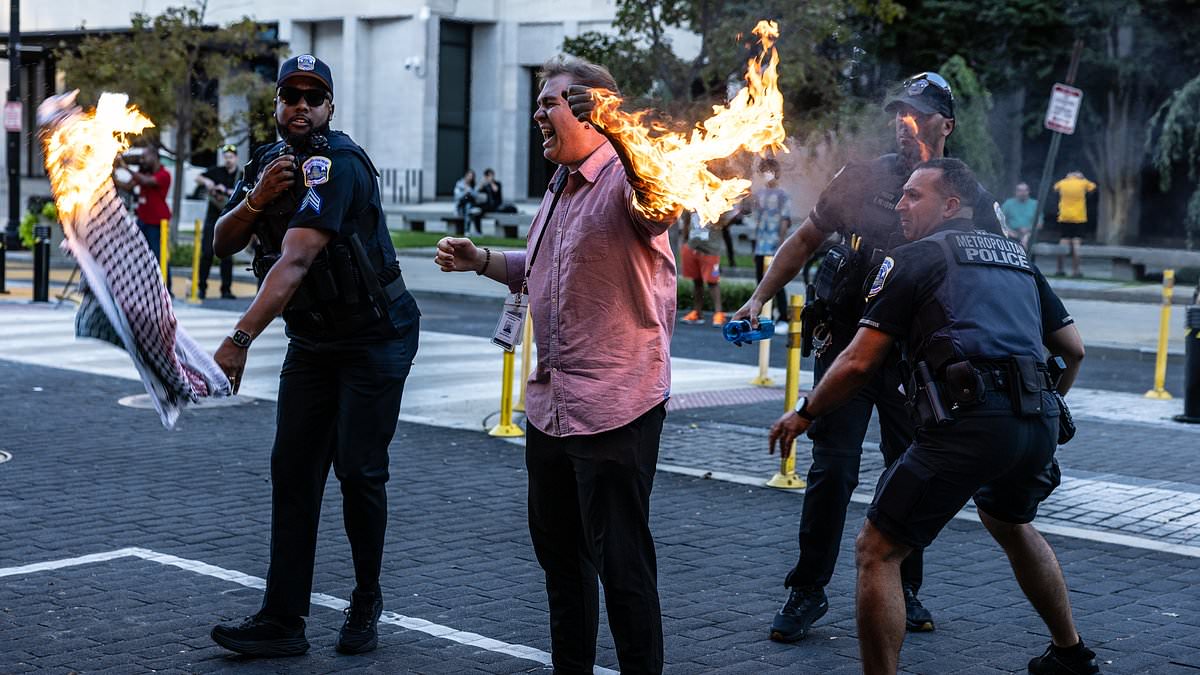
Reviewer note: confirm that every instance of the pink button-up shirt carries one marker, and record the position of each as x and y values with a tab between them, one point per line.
602	296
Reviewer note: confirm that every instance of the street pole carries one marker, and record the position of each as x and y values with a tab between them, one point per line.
1048	168
13	137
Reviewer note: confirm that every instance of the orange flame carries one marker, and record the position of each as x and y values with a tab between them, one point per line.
675	165
911	123
81	148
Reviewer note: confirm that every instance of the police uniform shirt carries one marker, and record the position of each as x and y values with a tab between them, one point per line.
861	199
913	272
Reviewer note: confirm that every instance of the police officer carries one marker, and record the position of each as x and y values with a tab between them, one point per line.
311	202
973	319
858	206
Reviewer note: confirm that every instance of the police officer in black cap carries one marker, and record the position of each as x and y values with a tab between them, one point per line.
311	205
974	321
858	207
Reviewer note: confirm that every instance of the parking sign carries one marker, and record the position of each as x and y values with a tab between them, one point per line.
1063	110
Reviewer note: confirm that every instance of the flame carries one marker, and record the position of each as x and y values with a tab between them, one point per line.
911	123
674	165
80	148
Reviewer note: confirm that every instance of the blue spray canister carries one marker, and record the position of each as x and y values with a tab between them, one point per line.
740	332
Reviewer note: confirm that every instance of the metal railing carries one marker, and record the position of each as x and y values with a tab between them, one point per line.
401	186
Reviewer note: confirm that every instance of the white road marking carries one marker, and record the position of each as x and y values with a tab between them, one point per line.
1042	524
233	576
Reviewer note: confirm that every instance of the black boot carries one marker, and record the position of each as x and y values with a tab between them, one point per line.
360	631
804	606
263	635
916	617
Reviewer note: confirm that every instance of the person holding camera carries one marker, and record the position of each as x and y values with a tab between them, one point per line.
974	320
328	266
218	182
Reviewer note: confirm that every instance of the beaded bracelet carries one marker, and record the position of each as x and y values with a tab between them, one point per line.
487	260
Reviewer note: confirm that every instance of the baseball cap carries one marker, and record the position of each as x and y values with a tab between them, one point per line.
928	93
309	65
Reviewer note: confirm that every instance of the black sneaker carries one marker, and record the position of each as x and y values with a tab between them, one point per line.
226	295
1077	660
360	630
916	618
803	607
262	635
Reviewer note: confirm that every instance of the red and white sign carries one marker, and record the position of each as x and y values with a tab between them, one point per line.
1063	110
12	116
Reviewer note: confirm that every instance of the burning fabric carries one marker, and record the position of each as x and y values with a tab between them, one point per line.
124	300
676	165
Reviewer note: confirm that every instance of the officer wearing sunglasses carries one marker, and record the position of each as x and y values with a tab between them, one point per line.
858	206
327	264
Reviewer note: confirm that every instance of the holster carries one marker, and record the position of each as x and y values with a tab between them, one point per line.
924	402
1066	423
964	384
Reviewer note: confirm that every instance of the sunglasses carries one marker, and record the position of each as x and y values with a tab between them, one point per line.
292	96
917	84
229	148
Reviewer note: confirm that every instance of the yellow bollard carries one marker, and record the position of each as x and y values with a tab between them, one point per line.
787	478
195	296
526	356
1164	326
764	346
164	249
506	428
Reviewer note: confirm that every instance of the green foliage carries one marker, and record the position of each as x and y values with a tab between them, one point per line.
1177	142
25	229
624	57
409	239
971	142
734	294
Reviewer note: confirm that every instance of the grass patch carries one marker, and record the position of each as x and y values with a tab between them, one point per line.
409	239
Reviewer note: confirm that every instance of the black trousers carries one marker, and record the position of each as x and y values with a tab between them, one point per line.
837	440
337	406
781	298
589	517
206	257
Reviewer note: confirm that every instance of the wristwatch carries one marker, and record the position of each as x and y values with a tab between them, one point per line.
801	409
241	338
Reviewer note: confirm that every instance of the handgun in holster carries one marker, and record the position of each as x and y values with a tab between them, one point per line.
925	403
814	312
1056	367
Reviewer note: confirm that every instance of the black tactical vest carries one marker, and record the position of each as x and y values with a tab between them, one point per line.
987	307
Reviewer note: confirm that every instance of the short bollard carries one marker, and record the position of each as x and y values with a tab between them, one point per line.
164	250
506	428
41	263
194	298
1164	327
1191	382
764	346
526	358
787	478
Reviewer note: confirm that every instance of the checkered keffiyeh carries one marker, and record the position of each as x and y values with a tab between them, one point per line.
125	301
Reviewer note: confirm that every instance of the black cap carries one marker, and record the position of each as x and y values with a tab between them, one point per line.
928	93
309	65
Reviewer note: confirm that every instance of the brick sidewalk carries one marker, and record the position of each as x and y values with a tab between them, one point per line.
88	476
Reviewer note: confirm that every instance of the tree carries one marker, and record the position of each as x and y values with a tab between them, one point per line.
162	63
1175	142
971	140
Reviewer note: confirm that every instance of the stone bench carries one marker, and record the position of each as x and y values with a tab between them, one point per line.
1127	263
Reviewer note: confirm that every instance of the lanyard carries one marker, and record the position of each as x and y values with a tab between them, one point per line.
557	189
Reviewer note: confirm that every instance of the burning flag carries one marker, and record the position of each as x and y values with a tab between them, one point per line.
676	165
124	300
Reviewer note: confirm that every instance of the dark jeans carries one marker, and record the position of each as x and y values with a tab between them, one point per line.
837	453
206	258
781	298
589	517
337	405
153	234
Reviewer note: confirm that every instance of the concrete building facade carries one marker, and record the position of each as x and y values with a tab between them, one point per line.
429	87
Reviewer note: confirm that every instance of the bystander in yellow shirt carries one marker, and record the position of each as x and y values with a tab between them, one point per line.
1072	198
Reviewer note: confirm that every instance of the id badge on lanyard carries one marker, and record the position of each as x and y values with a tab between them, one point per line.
511	325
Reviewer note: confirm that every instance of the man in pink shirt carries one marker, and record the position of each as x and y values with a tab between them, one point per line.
601	284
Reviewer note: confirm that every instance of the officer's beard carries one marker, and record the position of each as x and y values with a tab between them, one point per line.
306	141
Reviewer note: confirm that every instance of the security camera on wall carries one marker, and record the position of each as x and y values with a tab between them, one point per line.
415	65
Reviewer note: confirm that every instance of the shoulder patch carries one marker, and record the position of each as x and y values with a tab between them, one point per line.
981	248
312	200
316	170
885	268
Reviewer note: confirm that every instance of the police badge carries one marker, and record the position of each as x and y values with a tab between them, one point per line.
316	170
